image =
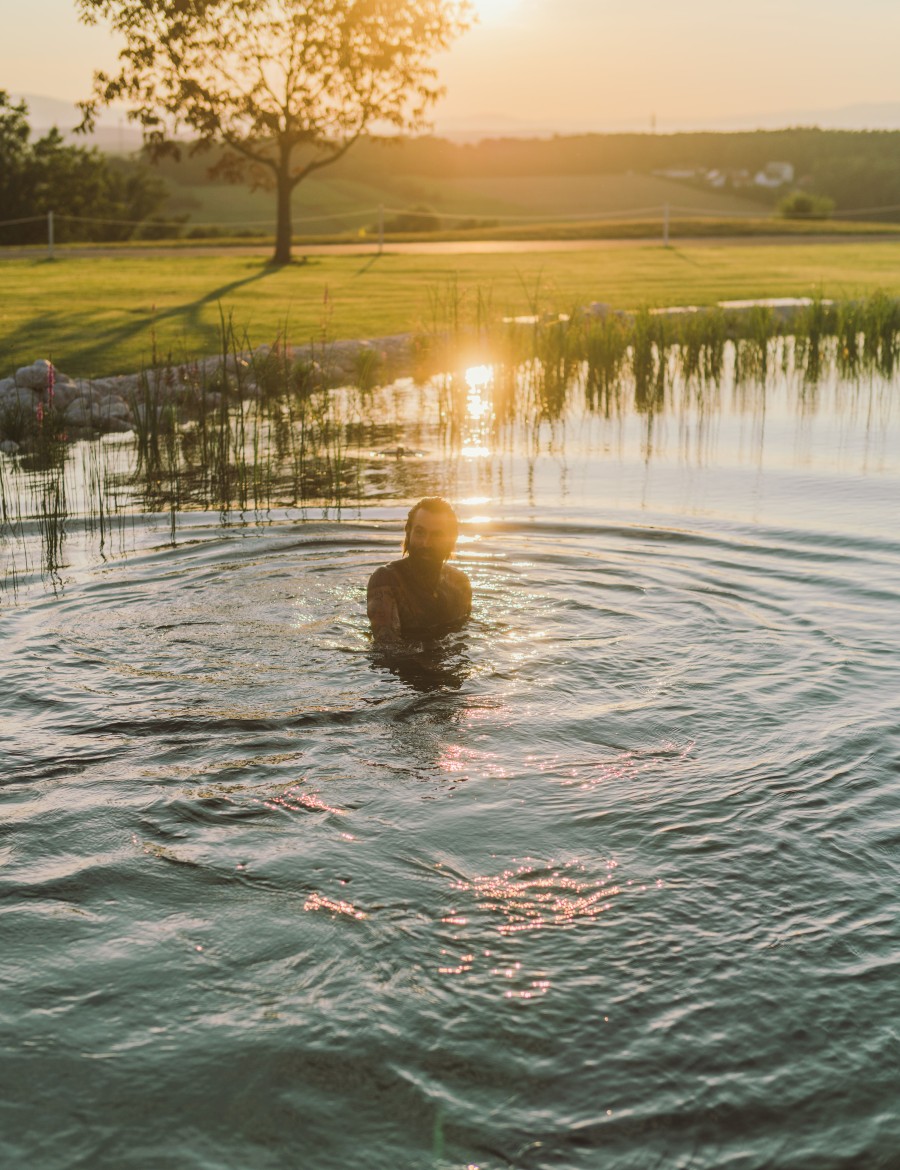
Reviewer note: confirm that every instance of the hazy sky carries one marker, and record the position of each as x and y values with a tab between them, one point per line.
561	62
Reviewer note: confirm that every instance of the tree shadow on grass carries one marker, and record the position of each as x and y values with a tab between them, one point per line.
81	341
683	255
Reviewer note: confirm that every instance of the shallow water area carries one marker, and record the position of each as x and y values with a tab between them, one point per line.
607	878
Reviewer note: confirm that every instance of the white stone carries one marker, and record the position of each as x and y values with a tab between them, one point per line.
6	384
112	407
78	413
64	393
91	410
101	388
128	384
36	376
8	447
18	399
117	425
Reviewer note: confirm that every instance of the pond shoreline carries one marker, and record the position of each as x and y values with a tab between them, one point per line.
40	398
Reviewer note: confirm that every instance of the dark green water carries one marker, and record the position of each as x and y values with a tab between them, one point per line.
607	880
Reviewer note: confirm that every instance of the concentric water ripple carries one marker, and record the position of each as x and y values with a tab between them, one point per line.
608	879
605	880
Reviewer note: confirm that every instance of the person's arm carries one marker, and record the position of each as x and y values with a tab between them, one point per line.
462	587
381	604
467	594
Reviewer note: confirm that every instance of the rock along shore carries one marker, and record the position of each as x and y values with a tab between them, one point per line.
41	396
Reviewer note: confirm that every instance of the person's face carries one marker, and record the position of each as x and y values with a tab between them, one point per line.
431	537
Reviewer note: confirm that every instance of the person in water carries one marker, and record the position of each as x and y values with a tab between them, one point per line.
421	596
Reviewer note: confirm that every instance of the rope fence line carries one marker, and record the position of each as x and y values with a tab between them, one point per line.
368	213
28	219
865	211
665	213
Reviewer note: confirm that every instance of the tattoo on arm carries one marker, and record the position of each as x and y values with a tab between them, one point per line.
383	614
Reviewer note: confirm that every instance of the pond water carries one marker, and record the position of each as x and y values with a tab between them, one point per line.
607	879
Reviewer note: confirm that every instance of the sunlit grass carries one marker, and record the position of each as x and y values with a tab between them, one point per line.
97	315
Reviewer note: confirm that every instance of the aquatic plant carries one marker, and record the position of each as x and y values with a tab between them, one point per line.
880	320
255	428
606	344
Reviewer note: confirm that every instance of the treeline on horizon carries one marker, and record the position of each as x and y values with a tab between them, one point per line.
105	197
857	169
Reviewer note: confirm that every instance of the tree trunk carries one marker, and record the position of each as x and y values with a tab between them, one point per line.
283	229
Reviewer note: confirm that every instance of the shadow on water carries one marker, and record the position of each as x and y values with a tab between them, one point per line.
426	667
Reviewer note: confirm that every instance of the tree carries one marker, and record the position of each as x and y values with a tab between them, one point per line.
14	158
93	198
804	205
285	86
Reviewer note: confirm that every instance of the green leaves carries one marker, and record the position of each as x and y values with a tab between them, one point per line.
78	185
265	76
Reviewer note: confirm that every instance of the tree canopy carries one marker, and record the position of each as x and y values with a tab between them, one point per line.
286	86
93	197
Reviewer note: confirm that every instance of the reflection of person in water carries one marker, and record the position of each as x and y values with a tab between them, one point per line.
420	596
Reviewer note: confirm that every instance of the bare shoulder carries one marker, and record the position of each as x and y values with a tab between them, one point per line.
460	584
457	578
382	578
381	605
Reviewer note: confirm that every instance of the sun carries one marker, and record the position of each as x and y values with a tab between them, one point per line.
494	11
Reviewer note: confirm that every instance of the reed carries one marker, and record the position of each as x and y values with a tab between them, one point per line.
606	348
881	333
259	428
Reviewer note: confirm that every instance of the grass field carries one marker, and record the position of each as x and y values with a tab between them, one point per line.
584	195
328	204
103	315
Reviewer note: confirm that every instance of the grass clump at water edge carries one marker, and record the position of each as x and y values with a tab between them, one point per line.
253	430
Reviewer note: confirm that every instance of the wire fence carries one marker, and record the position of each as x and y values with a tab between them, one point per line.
375	219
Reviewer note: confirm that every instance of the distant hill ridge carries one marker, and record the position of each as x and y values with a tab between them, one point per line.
858	169
49	111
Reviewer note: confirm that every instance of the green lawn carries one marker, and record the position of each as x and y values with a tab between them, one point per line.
96	316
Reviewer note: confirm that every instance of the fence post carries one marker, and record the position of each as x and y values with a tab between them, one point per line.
666	226
50	235
380	228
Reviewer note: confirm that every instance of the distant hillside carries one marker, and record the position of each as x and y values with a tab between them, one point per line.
856	168
48	111
572	176
114	134
506	180
326	205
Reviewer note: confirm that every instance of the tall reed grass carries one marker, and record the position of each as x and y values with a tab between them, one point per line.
257	430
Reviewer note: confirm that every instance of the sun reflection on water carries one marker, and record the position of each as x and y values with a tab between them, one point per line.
317	901
479	412
533	897
527	897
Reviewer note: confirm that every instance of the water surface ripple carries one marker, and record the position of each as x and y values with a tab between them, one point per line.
608	879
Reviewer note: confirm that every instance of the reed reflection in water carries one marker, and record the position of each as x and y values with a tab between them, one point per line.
633	418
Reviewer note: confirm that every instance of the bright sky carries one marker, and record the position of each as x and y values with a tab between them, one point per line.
569	63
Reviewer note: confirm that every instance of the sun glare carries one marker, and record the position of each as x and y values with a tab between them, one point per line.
479	411
494	11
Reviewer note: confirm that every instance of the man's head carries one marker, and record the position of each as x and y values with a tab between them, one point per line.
431	530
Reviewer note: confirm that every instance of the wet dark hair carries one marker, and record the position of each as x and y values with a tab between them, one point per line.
430	504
